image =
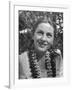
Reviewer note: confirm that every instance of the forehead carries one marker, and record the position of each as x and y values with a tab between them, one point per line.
45	27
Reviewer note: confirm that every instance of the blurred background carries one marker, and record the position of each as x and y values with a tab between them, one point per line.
26	22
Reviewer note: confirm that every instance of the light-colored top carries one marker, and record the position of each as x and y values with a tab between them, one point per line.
25	71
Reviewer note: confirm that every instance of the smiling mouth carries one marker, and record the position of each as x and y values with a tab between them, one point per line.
41	44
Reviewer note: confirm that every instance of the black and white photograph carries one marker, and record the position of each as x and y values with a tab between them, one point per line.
40	44
36	47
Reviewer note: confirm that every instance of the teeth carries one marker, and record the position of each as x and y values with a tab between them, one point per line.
42	43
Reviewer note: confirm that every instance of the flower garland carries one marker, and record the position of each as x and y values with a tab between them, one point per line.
34	65
49	64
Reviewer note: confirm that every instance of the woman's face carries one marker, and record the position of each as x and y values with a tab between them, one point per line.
43	37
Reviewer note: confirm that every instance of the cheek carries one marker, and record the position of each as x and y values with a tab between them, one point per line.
50	40
37	37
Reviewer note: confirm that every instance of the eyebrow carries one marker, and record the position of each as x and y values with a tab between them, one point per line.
49	34
40	31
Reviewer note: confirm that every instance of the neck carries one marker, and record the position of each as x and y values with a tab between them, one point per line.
39	54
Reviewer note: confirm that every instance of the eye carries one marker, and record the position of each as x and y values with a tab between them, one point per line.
40	33
49	35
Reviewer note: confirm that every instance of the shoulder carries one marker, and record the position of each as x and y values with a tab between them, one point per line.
59	65
23	56
24	66
57	59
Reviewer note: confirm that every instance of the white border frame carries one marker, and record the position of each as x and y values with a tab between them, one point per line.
13	64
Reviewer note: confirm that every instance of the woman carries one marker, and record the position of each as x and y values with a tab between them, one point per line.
42	59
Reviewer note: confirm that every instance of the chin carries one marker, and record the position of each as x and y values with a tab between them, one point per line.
42	49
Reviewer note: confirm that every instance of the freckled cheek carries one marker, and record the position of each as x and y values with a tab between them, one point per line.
37	37
50	40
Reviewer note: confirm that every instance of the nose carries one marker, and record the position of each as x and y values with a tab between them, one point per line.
44	37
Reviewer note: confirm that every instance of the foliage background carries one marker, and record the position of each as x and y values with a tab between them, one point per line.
26	22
